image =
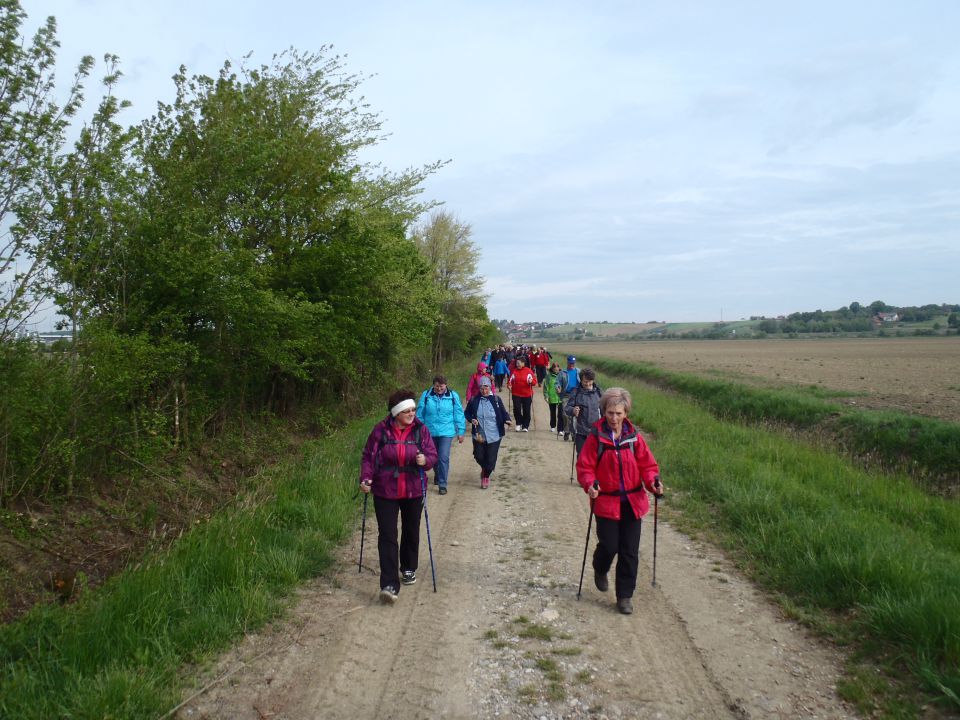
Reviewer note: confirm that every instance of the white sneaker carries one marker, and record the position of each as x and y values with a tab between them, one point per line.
519	429
526	430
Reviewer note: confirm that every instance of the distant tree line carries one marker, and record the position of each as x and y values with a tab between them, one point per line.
852	318
230	255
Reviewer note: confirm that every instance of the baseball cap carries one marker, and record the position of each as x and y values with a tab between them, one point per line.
571	359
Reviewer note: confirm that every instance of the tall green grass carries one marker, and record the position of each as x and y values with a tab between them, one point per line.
120	651
872	552
117	653
927	448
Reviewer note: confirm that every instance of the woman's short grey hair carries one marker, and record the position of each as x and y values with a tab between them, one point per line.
616	396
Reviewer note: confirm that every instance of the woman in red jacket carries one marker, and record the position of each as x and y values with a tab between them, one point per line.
617	469
521	382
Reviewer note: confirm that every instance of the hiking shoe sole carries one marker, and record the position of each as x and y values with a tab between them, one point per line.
388	596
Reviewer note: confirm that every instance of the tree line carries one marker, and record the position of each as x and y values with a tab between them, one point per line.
854	318
230	255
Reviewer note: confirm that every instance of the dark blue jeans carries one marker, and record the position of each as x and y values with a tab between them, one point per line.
486	456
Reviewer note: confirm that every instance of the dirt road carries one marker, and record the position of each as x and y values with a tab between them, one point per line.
504	636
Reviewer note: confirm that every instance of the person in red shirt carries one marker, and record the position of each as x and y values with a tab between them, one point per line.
540	361
521	383
617	470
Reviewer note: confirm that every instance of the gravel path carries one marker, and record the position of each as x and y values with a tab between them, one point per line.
504	636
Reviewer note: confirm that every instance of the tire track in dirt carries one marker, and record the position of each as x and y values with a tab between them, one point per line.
505	635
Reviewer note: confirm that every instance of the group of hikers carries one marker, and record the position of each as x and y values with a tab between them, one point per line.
614	465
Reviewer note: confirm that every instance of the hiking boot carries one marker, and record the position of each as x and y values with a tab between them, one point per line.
443	491
408	577
600	580
625	606
389	594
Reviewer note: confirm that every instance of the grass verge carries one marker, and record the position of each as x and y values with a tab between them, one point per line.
869	558
926	448
120	650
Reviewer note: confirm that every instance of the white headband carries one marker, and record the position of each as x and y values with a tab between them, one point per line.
401	406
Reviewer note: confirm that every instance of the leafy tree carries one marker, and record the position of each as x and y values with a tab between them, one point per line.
32	129
452	258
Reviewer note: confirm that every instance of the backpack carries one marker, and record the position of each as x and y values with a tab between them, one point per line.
385	440
423	399
631	445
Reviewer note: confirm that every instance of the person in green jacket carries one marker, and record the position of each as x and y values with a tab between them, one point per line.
554	397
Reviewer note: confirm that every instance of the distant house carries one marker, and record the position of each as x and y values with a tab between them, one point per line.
888	317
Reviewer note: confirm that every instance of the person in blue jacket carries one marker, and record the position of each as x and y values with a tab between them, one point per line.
489	418
500	371
441	411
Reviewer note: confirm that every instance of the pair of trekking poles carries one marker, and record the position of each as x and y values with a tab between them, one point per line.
656	507
583	568
426	517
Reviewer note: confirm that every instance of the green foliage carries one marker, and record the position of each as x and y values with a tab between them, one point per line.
461	323
32	128
230	255
88	410
117	652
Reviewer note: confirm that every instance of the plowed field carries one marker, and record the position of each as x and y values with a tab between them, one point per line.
914	375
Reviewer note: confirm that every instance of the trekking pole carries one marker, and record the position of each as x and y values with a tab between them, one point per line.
426	517
656	505
583	567
363	531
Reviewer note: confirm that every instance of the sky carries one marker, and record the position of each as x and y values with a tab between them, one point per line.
627	161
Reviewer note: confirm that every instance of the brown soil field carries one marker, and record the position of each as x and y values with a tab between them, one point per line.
914	375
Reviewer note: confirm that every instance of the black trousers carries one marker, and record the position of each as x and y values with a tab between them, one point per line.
521	410
556	416
486	456
620	538
406	555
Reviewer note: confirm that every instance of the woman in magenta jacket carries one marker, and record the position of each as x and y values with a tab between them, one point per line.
399	450
616	469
